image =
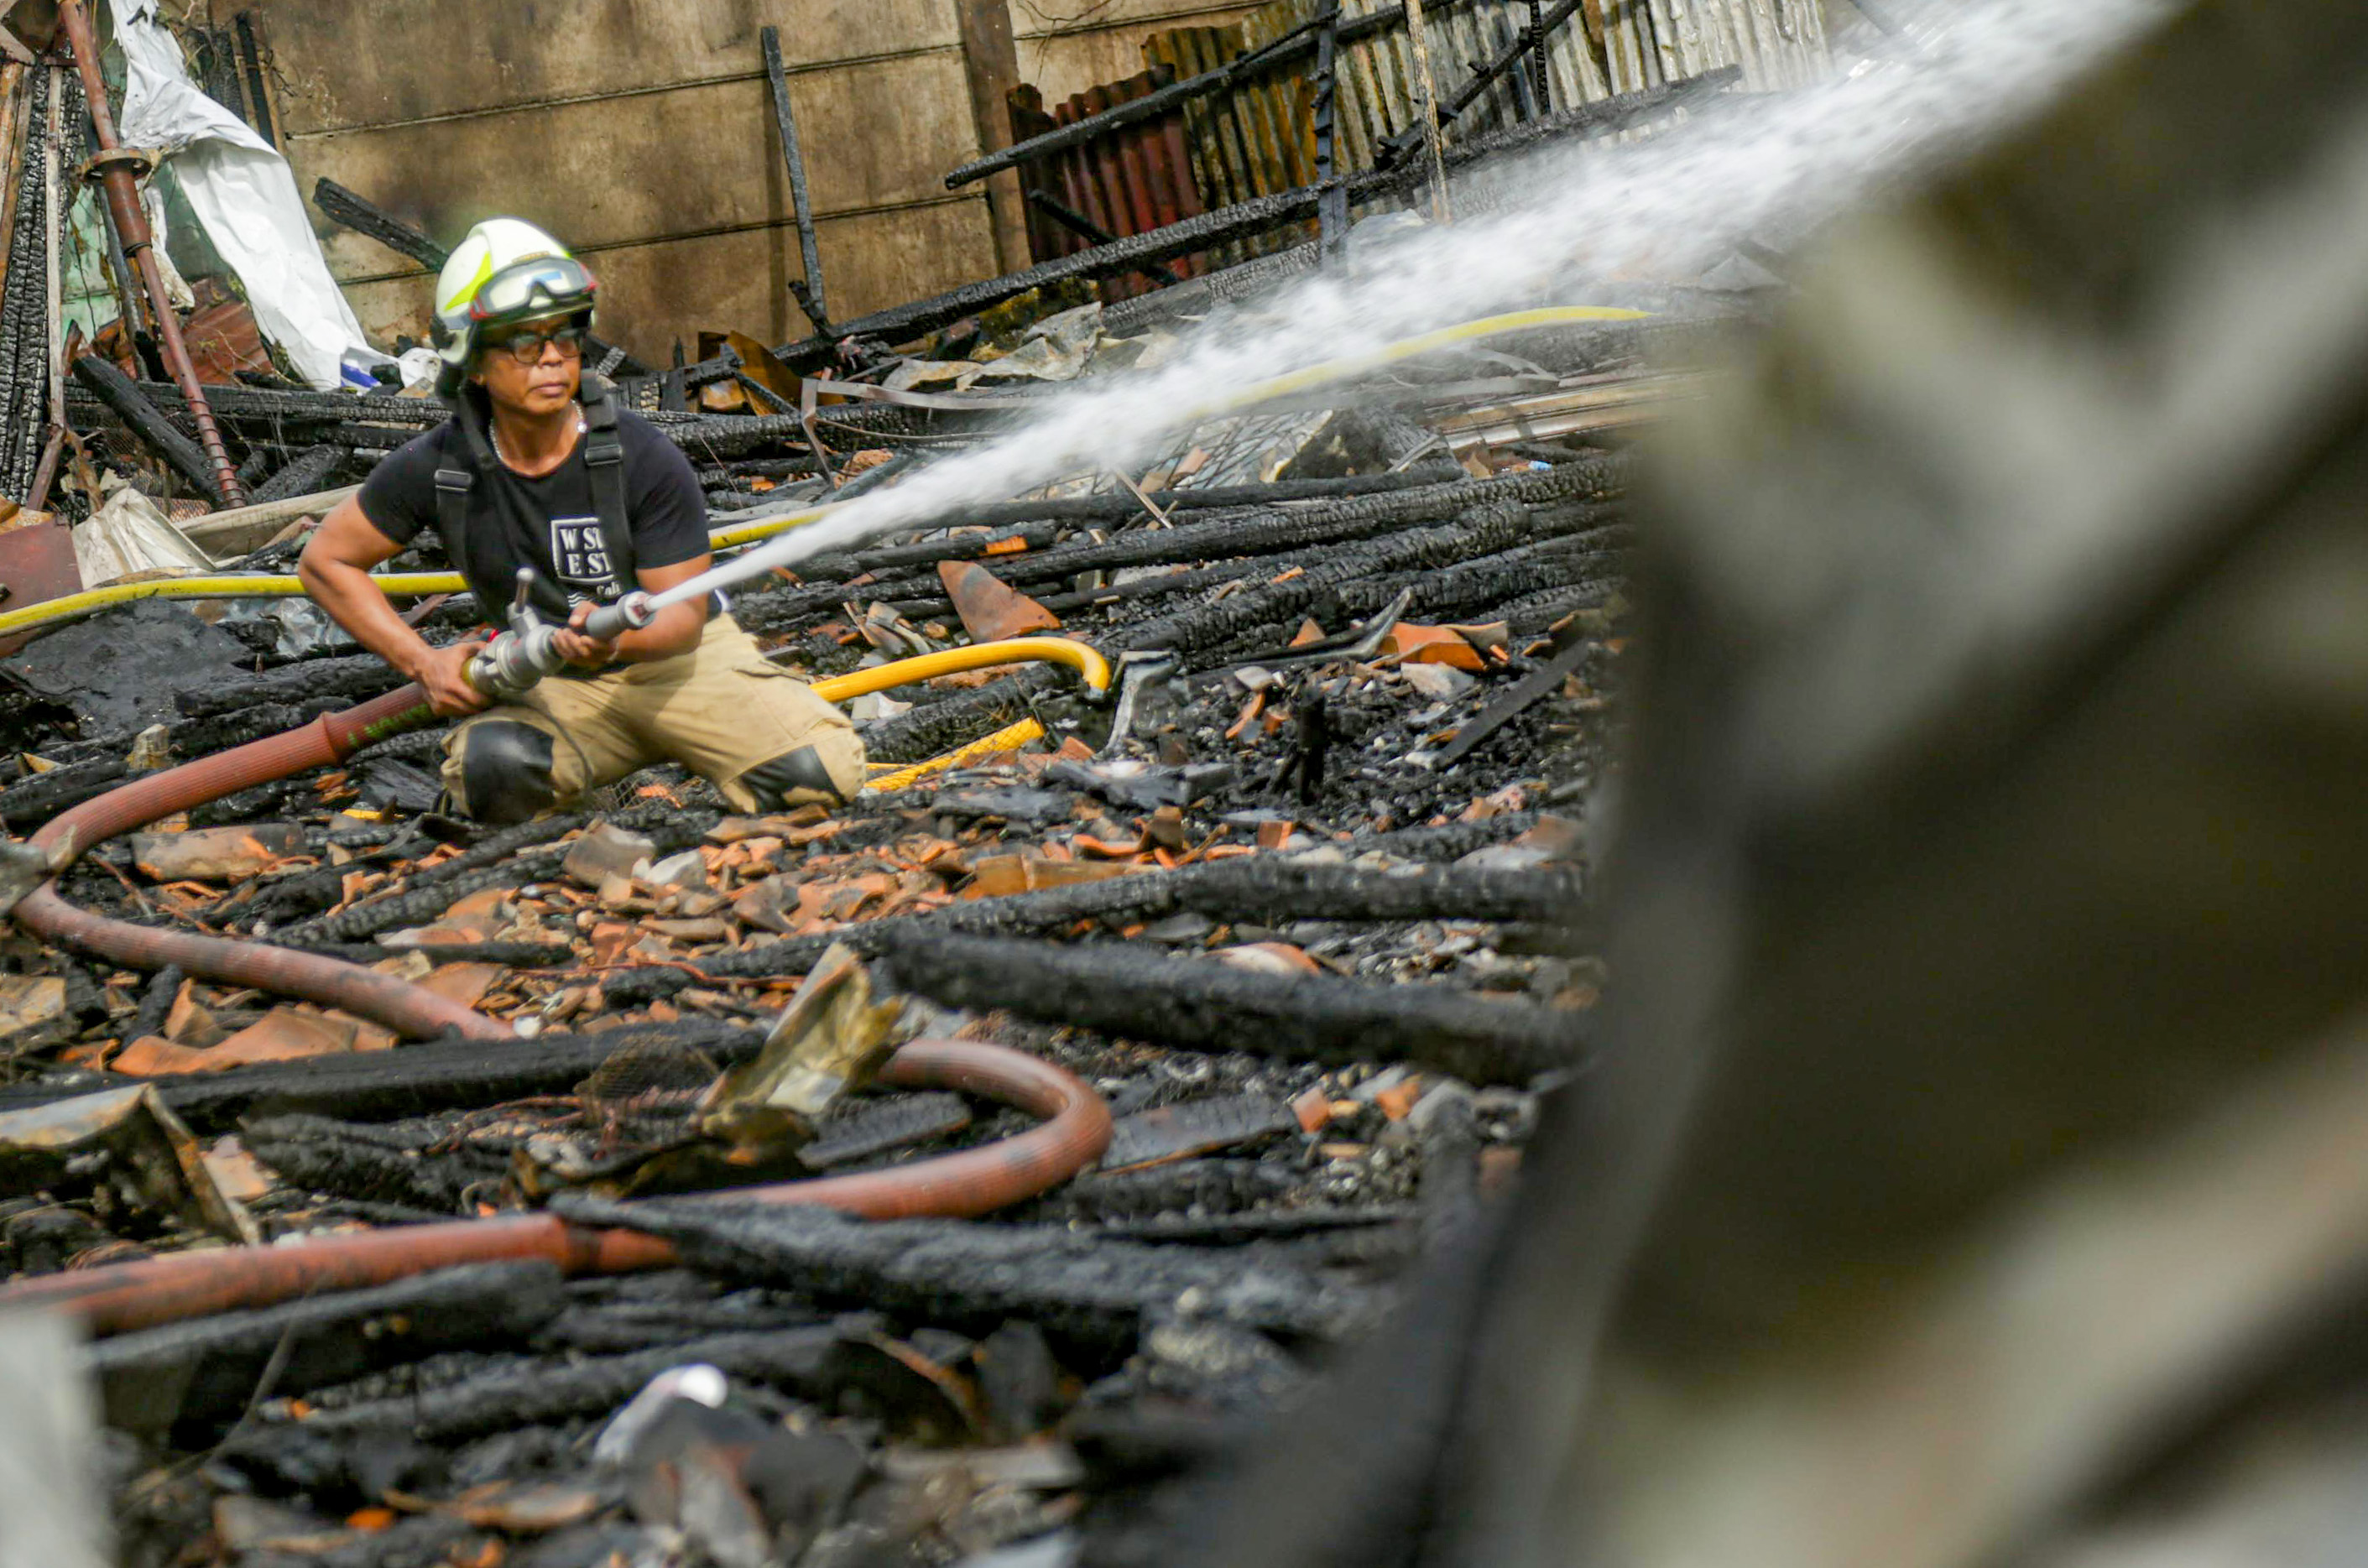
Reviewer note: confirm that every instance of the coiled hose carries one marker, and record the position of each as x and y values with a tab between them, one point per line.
119	1297
1076	1128
325	742
129	1296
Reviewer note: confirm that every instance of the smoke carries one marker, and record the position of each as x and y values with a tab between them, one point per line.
1562	219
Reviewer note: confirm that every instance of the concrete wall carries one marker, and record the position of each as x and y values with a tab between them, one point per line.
642	132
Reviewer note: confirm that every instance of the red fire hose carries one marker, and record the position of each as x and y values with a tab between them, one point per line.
122	1296
328	740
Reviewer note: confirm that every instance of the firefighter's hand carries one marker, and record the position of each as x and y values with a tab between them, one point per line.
444	673
578	649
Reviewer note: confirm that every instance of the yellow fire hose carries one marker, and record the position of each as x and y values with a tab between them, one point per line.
1091	666
74	606
1088	663
1011	737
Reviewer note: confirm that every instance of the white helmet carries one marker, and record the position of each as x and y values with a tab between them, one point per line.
505	270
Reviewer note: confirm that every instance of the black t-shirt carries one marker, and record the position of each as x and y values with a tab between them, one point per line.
547	523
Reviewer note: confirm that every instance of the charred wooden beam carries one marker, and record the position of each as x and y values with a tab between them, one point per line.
359	214
954	1273
1005	514
1243	220
146	420
797	1360
1085	229
1270	888
1121	991
211	1369
1284	53
44	795
1208	1187
305	474
416	1081
1530	690
1528	43
625	1328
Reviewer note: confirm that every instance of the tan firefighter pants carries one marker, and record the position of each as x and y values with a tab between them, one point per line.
721	709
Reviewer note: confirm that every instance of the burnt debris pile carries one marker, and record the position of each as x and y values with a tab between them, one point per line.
955	1168
1302	900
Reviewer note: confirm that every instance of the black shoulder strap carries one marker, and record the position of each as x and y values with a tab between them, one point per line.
453	484
604	461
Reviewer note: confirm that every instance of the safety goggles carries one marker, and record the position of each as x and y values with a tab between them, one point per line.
541	286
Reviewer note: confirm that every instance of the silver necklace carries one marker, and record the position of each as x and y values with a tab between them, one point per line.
583	427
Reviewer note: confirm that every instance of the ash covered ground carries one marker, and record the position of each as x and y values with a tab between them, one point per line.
1313	927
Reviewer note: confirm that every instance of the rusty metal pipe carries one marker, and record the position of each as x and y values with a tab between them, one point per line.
118	1298
122	184
330	739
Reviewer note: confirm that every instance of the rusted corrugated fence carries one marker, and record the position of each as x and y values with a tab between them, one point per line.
1136	179
1256	138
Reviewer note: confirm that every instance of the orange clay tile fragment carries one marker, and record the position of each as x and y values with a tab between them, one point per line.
1109	849
1432	646
990	610
1398	1099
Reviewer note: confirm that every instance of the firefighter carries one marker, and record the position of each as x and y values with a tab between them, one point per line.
540	468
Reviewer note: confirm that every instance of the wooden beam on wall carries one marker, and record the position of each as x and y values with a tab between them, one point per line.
991	61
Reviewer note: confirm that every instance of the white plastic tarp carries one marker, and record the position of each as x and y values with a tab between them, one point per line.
245	195
128	536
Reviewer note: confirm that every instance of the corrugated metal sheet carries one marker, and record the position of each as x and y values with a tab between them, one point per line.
1136	179
1259	138
1610	47
1248	142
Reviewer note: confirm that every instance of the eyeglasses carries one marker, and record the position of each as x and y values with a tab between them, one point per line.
527	346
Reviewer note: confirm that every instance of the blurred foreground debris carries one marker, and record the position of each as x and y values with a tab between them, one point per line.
1973	1170
50	1515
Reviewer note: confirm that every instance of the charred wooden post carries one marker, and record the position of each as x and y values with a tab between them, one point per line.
1541	81
118	176
991	69
809	297
259	95
1429	129
1332	203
